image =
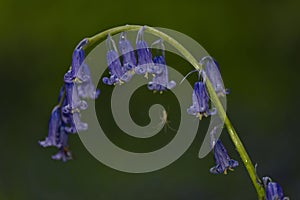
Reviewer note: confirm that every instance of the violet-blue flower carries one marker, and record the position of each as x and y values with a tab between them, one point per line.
74	123
86	88
118	73
65	117
127	52
222	159
77	58
63	154
71	119
213	73
80	73
200	99
57	136
73	100
145	63
53	129
273	190
160	81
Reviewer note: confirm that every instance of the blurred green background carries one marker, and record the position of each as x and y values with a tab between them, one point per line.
256	44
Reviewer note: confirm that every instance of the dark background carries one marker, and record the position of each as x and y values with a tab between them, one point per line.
255	42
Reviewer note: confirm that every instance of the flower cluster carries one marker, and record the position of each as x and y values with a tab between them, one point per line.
65	117
201	107
123	63
140	62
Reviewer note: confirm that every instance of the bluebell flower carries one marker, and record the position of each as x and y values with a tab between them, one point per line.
54	126
71	119
86	88
57	136
213	73
118	74
79	73
73	100
65	117
72	104
160	81
145	63
222	159
77	58
273	190
63	154
200	99
74	123
127	52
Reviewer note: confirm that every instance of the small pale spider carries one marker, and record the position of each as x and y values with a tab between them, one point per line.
165	122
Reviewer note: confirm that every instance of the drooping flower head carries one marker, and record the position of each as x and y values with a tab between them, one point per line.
65	117
221	157
57	135
145	63
200	99
79	74
273	190
117	72
213	73
72	104
127	52
160	81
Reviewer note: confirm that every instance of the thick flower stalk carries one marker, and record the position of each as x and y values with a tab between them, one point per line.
65	117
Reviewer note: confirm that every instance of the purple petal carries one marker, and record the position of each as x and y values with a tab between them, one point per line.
145	62
127	52
222	159
53	129
213	73
274	191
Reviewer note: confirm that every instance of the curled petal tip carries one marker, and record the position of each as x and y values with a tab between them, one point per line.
171	85
82	43
106	81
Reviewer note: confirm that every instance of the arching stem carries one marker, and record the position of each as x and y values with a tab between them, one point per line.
231	131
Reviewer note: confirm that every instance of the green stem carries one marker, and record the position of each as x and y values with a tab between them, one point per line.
231	131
